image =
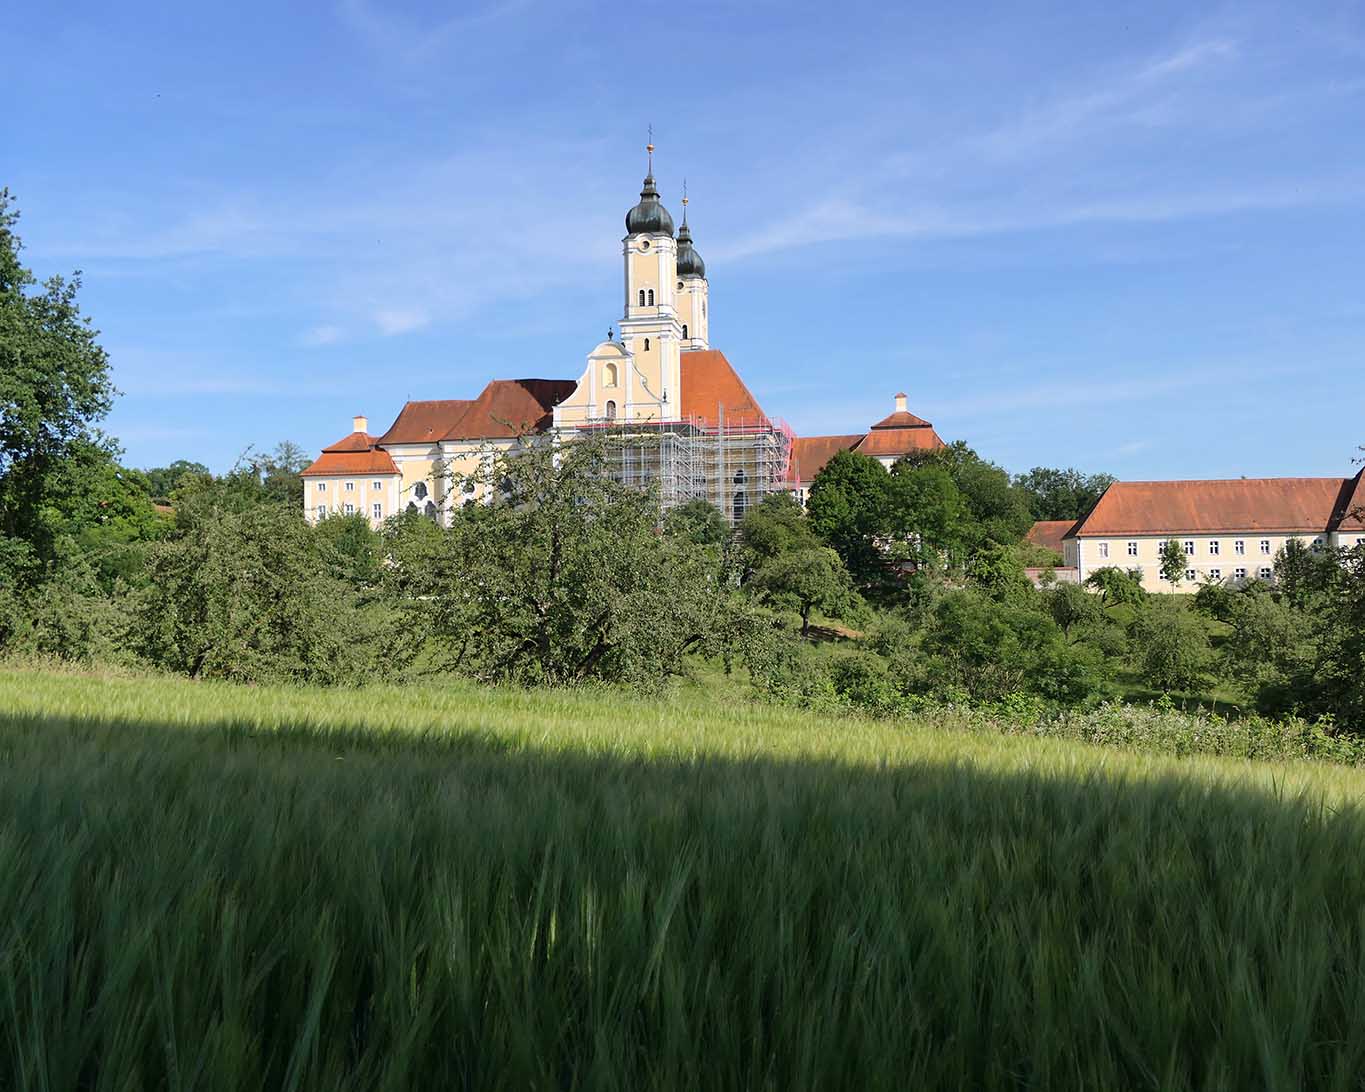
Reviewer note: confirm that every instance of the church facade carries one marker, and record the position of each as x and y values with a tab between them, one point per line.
680	417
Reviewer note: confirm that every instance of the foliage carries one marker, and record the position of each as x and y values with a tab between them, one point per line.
54	387
1118	586
1171	644
1061	494
1173	562
927	512
806	578
847	507
999	510
244	595
1071	606
775	526
163	481
699	522
564	577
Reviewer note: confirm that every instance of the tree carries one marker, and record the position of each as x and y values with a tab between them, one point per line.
163	480
698	521
245	595
54	388
928	514
806	578
1071	605
564	577
1118	585
1000	511
1172	645
1173	562
1061	494
280	472
847	508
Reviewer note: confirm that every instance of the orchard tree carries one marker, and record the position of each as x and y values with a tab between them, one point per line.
1118	585
1173	562
54	389
804	579
698	521
848	508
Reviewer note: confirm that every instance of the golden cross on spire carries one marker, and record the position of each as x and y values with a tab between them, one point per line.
650	147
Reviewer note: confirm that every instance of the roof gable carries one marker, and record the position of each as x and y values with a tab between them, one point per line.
511	407
902	419
356	441
1350	513
811	453
425	422
712	389
1048	533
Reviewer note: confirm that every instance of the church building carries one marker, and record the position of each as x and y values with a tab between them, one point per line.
679	416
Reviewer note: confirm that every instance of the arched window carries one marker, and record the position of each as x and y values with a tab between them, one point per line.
646	344
684	331
741	503
411	506
431	510
419	490
609	375
642	297
740	476
651	297
611	411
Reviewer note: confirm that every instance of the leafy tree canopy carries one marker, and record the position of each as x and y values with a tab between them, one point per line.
1061	494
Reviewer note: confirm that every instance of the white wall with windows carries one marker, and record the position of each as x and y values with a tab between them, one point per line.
1234	555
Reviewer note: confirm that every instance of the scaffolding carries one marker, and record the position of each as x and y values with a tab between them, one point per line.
732	463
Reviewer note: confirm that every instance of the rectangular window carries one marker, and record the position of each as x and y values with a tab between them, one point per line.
1132	549
1265	572
1215	574
376	486
1265	546
1239	574
322	487
1189	575
378	511
1240	546
1360	542
350	509
350	487
322	510
1104	549
1213	547
1189	547
1317	545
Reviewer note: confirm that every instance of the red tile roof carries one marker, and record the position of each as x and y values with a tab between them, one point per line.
902	419
333	463
356	441
1241	504
1048	533
511	407
811	453
900	440
1350	513
425	422
711	387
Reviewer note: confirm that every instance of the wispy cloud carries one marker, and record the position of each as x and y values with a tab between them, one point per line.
319	336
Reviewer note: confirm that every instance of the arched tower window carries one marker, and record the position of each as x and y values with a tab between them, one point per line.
419	490
684	331
651	297
741	502
609	375
642	297
646	344
611	411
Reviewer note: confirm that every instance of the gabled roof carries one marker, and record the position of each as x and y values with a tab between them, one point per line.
356	441
900	440
1048	533
353	454
1350	513
1284	505
811	453
902	419
711	388
425	422
511	407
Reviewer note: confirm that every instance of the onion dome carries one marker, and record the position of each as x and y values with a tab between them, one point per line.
649	217
689	261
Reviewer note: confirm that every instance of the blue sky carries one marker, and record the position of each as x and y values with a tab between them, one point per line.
1125	236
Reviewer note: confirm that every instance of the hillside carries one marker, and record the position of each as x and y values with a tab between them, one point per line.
458	887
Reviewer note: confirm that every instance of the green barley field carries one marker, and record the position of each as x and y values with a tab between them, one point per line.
214	887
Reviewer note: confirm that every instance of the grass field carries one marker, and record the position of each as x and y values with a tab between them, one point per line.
217	887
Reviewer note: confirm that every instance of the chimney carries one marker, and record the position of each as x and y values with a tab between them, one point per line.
900	403
360	423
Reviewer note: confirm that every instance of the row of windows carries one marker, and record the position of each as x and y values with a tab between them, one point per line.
642	298
350	486
1239	547
1265	572
376	510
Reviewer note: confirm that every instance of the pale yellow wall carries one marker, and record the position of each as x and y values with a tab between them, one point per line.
362	495
1203	560
692	312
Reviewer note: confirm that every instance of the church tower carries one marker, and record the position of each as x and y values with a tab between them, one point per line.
692	289
650	327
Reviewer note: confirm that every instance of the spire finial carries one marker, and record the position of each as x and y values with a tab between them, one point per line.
684	200
649	148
